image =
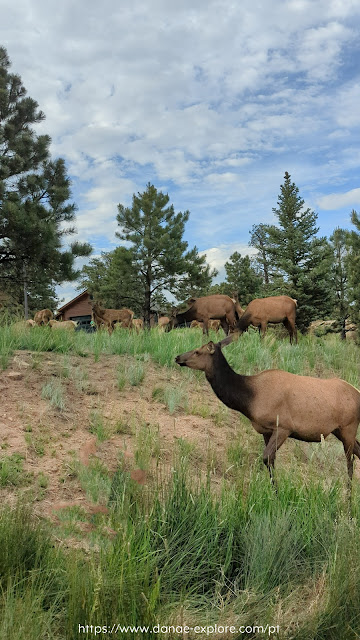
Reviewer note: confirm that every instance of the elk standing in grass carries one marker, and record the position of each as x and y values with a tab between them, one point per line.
213	324
163	323
110	317
215	307
274	309
65	325
283	405
137	324
43	317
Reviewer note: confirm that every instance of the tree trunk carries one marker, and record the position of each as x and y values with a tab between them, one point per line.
147	301
26	306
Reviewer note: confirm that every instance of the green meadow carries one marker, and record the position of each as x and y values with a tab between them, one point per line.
176	551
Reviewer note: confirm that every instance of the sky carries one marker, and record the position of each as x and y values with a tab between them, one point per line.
209	101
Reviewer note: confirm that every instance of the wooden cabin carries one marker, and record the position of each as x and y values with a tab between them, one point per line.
78	309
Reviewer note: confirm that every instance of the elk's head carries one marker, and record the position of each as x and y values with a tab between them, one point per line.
200	359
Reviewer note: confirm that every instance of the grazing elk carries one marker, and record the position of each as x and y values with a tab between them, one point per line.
43	317
213	324
217	307
163	322
65	325
137	324
110	317
195	324
238	308
23	324
274	309
282	405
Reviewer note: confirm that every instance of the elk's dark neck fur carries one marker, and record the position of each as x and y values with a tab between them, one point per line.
232	389
244	321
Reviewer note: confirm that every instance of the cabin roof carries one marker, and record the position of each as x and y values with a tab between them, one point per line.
71	302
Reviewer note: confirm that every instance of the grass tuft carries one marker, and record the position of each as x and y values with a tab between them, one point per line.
54	392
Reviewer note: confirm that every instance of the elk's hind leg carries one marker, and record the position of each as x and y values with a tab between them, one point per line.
225	326
262	329
291	328
357	448
205	326
273	442
351	446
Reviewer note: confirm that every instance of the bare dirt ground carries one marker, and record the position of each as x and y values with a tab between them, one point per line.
50	438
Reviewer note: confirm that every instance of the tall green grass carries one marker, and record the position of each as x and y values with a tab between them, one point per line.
322	357
184	553
244	557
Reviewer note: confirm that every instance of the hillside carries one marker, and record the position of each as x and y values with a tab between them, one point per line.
103	434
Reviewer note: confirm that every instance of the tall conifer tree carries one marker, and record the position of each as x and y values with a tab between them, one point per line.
301	260
260	240
341	249
34	199
242	278
353	264
160	257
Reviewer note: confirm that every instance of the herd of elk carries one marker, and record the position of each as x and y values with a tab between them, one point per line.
282	405
110	317
214	325
279	404
207	312
259	312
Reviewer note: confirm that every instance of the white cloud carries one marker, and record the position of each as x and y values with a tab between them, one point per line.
213	101
217	256
340	200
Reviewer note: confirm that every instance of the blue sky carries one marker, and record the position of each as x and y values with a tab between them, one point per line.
210	101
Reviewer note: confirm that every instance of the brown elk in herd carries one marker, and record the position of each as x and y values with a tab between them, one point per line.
137	324
282	405
43	317
163	322
213	324
215	307
261	311
68	325
110	317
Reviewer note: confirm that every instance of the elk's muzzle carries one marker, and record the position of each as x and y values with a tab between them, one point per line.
181	360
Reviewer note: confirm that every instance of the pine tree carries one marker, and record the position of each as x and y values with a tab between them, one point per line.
34	198
260	240
301	261
353	265
197	278
113	280
242	278
160	260
340	246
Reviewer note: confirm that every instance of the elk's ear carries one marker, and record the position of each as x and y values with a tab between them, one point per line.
232	337
210	347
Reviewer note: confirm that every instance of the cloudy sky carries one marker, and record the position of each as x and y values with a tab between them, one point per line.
210	101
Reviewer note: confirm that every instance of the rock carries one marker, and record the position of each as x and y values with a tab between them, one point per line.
15	375
21	363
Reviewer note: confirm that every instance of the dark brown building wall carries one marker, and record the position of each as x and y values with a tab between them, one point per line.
80	307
